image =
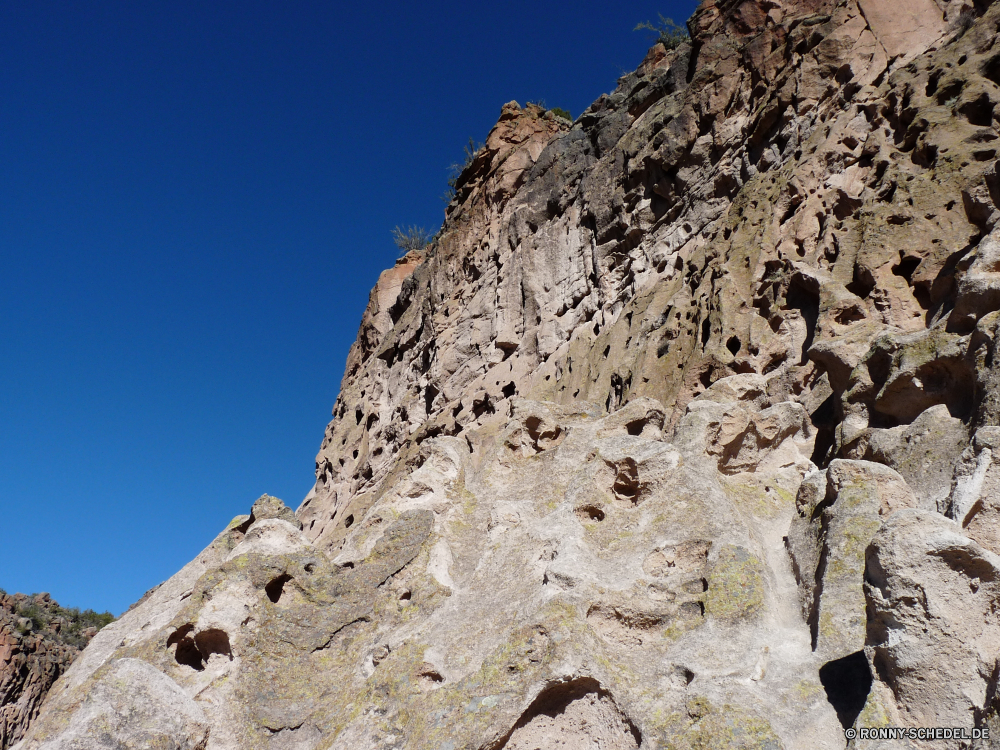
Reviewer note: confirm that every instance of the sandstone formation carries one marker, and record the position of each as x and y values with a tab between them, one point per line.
681	433
38	641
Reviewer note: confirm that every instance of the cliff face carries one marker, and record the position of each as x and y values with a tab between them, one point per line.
680	434
38	641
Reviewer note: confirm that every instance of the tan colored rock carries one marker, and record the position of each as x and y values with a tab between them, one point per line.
924	452
904	30
975	497
133	705
933	639
838	513
553	500
514	587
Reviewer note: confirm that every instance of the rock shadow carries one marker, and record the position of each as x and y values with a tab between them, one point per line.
578	714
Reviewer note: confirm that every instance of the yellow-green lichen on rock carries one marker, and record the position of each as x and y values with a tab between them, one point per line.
735	585
704	726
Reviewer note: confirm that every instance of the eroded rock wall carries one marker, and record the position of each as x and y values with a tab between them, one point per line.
772	200
38	642
680	434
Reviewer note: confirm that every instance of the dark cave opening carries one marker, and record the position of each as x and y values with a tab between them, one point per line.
847	682
276	587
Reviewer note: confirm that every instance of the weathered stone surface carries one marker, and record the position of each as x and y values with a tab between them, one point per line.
924	452
483	586
838	513
934	637
38	641
271	507
975	499
134	705
746	297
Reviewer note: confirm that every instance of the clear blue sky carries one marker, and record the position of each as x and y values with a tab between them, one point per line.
195	200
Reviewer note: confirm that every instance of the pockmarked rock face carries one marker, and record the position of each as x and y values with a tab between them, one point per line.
680	434
526	590
235	649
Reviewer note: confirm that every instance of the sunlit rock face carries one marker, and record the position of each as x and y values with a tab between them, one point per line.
38	642
653	445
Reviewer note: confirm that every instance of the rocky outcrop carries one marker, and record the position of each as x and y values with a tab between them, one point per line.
555	583
38	641
934	637
664	441
838	512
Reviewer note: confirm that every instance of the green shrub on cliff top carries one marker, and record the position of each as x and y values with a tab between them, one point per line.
668	33
470	150
72	622
410	238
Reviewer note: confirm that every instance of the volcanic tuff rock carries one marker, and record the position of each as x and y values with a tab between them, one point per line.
680	434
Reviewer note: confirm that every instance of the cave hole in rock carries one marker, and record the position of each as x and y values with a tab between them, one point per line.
991	69
847	682
636	426
509	390
186	652
734	345
213	641
849	314
924	155
483	406
349	521
802	297
863	282
577	713
276	587
979	111
906	267
824	419
429	674
590	513
932	82
626	485
684	675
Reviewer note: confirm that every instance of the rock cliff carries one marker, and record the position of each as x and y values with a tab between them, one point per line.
38	641
682	432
